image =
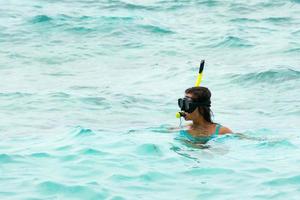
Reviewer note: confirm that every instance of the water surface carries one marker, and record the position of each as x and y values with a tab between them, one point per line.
89	91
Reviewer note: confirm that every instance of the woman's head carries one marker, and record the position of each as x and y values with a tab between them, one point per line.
200	95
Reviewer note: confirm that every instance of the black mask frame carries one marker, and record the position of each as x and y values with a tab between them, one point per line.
188	105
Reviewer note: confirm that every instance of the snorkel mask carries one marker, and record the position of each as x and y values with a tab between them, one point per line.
187	104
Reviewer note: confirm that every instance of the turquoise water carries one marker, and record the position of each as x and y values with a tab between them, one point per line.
89	91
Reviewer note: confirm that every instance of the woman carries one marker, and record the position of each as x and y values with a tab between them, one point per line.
195	106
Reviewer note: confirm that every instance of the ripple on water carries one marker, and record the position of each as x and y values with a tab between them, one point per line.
70	157
40	19
278	20
41	155
293	50
97	103
296	33
4	158
81	132
117	198
260	170
276	144
163	128
83	88
60	74
156	29
120	19
233	42
8	194
145	177
210	3
149	150
271	76
11	158
91	151
16	95
154	176
292	180
64	148
131	6
60	190
81	30
208	171
244	20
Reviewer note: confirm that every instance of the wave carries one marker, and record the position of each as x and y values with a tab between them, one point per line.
133	45
16	94
208	170
91	151
269	4
94	26
148	150
164	5
292	180
10	158
134	101
292	50
296	33
131	6
59	95
243	20
81	29
79	87
278	20
83	18
41	155
41	19
234	42
145	177
79	132
59	74
156	29
96	102
295	1
276	144
79	23
70	191
270	76
4	158
209	3
242	8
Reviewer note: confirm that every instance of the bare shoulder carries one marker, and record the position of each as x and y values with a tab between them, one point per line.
225	130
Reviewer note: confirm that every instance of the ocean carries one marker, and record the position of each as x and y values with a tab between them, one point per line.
89	89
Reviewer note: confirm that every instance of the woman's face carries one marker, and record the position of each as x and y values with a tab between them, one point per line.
194	114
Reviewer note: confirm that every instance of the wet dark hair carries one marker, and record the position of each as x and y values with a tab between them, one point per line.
202	94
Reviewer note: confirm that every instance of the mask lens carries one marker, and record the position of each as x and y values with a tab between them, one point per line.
186	106
180	103
190	106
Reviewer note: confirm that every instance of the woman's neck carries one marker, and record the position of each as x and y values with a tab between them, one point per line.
201	122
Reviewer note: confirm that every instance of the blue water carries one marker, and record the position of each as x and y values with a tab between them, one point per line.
89	89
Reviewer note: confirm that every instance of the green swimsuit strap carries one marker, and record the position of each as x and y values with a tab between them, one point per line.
218	126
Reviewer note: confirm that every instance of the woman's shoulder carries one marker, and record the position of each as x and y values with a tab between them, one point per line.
224	130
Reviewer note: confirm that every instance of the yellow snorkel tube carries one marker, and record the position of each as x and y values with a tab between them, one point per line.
197	84
200	74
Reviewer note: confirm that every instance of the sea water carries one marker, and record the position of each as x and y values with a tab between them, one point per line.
89	89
